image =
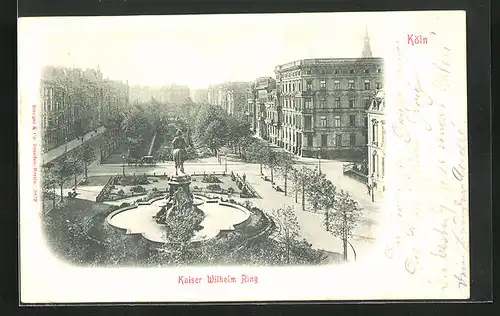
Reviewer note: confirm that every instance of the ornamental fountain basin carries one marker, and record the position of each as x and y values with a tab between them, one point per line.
219	216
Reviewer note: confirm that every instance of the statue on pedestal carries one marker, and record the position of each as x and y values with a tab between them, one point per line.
179	154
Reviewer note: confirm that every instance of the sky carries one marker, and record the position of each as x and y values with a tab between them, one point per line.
198	50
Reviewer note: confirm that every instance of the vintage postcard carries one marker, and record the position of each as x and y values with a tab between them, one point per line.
244	157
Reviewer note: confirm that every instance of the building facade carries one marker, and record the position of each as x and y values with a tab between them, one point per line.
323	104
231	96
75	102
199	96
263	93
273	117
377	140
175	94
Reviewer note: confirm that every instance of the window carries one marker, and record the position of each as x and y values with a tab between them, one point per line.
379	70
351	71
337	121
352	139
322	104
309	140
379	85
367	71
383	166
307	122
323	121
338	140
367	84
308	103
366	102
336	85
308	72
383	133
324	140
322	84
352	120
365	121
352	102
336	102
351	85
374	131
336	71
374	162
309	85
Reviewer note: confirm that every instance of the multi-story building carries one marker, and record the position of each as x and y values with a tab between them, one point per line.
75	102
324	103
261	94
231	96
237	96
175	94
217	95
273	117
199	96
144	94
376	140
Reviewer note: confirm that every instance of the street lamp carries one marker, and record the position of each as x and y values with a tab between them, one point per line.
123	165
372	187
225	162
319	160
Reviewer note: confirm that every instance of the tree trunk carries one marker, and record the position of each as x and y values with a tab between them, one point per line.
272	174
62	196
54	198
287	248
303	197
345	247
260	168
76	175
85	164
286	172
344	229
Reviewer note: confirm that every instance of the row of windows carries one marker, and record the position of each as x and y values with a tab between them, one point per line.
323	71
351	85
295	120
323	104
338	140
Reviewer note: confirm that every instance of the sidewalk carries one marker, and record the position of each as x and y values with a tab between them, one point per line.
59	151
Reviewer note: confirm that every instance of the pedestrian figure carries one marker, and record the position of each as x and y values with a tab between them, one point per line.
244	177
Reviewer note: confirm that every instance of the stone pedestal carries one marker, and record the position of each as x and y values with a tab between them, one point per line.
180	181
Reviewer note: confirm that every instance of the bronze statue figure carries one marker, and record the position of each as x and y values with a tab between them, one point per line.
179	154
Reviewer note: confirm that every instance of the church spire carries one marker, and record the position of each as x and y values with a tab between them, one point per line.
367	52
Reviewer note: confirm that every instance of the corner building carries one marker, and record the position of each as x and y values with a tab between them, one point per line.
323	105
377	140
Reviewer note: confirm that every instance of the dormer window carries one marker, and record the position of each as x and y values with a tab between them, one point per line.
351	71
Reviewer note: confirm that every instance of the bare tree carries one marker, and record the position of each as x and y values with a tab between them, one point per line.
343	218
63	169
285	162
87	155
289	229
